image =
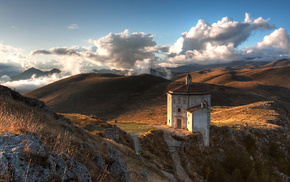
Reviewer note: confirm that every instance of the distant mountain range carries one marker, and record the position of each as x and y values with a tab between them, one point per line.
168	72
236	65
27	74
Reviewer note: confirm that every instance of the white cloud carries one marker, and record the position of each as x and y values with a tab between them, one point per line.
33	83
13	56
4	79
273	46
13	27
73	27
207	43
279	40
116	50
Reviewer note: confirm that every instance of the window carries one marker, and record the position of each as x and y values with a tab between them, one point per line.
184	101
178	110
178	101
168	121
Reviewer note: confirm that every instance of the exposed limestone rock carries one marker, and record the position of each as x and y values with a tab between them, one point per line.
119	170
23	158
113	153
112	133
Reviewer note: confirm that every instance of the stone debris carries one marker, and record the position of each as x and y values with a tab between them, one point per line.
23	158
112	133
173	146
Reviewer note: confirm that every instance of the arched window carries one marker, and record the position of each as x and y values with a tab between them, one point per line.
178	110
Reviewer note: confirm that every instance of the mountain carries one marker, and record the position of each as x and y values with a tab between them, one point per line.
234	65
104	95
279	62
248	142
114	71
27	74
272	82
139	98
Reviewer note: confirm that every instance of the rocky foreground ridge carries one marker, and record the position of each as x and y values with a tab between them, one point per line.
23	157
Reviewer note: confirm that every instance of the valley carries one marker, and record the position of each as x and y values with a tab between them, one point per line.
115	126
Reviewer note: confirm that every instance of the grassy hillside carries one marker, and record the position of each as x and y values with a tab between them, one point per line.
60	135
273	82
279	62
103	95
128	99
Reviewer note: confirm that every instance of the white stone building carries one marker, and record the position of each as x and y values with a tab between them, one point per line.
189	107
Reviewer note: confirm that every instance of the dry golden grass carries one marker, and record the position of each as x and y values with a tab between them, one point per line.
18	118
105	95
133	128
150	114
93	125
257	115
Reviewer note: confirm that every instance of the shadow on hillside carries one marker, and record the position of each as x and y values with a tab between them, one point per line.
240	78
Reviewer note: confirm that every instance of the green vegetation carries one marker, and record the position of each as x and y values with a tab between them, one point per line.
134	127
90	124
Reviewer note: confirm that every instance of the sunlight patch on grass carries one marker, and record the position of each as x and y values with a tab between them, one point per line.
134	127
257	115
88	123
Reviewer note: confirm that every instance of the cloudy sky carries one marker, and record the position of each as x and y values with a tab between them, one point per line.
77	36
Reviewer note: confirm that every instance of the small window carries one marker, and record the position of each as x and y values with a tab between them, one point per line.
178	110
168	121
178	101
184	101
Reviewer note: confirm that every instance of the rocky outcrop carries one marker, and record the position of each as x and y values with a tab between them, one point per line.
23	158
117	167
112	133
10	94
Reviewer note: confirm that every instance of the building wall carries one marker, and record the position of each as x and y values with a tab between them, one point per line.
201	123
198	121
179	106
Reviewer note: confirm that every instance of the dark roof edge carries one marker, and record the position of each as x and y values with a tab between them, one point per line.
188	93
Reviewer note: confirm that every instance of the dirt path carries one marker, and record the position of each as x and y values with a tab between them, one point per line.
136	143
173	147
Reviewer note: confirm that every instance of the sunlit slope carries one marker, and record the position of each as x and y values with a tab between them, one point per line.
104	95
279	62
270	82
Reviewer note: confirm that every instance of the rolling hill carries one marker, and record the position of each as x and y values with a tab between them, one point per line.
233	65
127	98
249	140
272	82
279	62
103	95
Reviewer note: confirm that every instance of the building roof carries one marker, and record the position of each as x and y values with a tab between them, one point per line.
190	89
192	109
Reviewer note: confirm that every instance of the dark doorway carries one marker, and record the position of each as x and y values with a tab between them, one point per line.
179	123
